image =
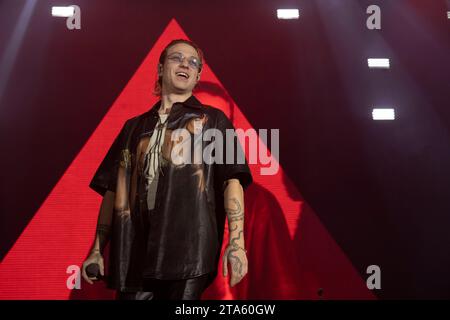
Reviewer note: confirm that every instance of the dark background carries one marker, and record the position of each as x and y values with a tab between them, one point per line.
380	188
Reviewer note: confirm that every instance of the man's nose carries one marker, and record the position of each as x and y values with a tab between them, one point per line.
184	63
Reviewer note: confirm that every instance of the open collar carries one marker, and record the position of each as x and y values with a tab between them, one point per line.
191	102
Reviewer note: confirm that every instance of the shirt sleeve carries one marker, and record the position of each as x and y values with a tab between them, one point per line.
105	178
233	170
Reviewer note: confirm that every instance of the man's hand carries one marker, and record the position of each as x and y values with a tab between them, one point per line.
237	258
94	257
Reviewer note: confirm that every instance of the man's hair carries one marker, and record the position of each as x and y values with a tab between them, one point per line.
162	58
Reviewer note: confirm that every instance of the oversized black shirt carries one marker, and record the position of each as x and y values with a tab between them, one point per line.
182	236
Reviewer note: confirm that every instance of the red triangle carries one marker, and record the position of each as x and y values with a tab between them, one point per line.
291	255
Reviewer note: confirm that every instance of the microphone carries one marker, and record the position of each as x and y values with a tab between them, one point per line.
93	271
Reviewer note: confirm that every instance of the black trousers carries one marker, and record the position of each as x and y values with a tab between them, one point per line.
155	289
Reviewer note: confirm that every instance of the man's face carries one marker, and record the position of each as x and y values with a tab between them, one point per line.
181	69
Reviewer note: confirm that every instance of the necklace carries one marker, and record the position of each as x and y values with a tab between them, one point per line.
161	124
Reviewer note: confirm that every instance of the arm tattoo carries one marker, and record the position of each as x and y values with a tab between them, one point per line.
236	210
233	240
236	226
236	262
234	214
103	231
233	219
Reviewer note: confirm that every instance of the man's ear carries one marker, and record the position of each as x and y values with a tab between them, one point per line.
198	76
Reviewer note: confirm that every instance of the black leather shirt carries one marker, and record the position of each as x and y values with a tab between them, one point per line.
182	236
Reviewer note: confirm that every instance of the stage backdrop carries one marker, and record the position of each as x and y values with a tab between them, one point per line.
291	255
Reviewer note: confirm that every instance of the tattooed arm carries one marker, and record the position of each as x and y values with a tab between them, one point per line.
104	222
101	236
235	252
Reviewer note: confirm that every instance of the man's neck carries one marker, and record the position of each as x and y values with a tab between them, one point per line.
167	100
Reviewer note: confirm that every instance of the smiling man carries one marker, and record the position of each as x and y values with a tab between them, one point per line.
166	219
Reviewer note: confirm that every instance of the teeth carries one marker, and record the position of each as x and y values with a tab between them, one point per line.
182	74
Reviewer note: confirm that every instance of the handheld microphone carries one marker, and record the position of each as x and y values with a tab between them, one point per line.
93	271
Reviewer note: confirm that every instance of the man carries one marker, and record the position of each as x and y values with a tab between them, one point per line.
165	217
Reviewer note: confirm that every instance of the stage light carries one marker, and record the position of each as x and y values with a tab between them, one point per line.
288	13
448	14
383	114
63	11
378	63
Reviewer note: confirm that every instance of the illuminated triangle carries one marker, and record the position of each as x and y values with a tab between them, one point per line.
61	231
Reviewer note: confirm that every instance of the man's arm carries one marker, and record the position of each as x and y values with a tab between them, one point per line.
101	236
104	222
235	252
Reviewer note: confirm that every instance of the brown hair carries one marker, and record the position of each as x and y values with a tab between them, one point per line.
162	58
